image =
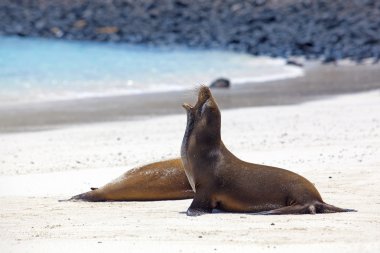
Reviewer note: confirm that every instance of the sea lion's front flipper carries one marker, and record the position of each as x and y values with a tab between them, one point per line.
201	205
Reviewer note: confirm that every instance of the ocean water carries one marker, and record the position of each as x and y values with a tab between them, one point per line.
41	69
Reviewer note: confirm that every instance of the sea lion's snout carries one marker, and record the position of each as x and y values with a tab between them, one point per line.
204	94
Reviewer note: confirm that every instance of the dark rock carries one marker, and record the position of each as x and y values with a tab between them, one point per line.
294	63
315	29
220	83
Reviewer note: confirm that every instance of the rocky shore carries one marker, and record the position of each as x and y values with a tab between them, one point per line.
322	29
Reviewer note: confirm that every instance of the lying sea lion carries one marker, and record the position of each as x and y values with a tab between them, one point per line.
222	181
165	180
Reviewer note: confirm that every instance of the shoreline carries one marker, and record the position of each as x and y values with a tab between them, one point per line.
319	81
109	69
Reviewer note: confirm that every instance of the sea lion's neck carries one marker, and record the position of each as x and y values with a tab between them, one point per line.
188	131
203	146
202	139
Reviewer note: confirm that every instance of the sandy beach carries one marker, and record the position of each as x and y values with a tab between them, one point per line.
334	142
91	89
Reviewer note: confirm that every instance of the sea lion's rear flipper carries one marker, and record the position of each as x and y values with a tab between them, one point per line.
294	209
314	208
91	196
326	208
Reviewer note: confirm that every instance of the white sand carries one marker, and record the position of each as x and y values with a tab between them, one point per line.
337	138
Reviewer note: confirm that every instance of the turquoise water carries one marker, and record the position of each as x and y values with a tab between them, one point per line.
41	69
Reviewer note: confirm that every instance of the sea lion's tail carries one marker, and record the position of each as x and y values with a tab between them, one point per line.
90	196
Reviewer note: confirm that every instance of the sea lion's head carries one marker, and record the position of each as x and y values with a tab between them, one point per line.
203	119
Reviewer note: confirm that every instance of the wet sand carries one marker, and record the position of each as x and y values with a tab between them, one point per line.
319	81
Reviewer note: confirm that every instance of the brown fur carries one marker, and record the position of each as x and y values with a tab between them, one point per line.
165	180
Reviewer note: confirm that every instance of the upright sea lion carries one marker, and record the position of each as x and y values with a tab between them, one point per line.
165	180
221	180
